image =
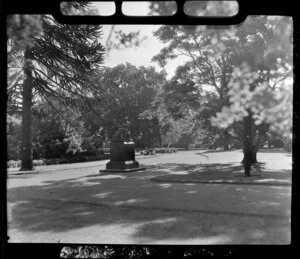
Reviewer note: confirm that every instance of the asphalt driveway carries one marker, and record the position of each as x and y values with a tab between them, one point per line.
76	204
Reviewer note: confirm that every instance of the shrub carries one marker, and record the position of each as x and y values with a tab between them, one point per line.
13	164
17	163
166	150
38	162
287	144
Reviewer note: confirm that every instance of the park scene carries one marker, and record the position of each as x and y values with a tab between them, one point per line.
149	134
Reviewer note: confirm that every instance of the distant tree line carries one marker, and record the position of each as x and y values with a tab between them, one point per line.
160	112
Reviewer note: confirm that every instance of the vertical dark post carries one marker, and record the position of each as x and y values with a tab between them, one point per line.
226	140
249	148
26	149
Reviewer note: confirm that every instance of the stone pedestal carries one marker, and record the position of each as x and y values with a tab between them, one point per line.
122	158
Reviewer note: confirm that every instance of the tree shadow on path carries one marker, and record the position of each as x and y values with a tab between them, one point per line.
130	207
223	172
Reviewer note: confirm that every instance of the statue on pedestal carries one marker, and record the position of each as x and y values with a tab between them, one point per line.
122	151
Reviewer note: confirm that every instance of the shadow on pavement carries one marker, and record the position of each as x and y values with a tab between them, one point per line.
134	206
223	172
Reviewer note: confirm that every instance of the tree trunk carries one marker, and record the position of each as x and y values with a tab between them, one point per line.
249	145
226	140
26	150
187	145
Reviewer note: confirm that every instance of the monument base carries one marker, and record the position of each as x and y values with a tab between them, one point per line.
122	158
122	167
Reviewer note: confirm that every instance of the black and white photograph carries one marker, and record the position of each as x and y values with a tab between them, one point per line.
149	134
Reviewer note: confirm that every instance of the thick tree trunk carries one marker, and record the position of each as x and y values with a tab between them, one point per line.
249	145
250	157
26	150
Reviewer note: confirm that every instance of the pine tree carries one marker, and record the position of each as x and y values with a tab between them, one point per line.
59	60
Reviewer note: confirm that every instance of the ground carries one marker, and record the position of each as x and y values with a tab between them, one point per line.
189	197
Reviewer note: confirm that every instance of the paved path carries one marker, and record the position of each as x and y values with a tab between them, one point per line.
75	204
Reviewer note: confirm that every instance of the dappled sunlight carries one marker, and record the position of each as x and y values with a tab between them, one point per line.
278	187
162	221
134	208
26	183
269	203
181	173
131	219
112	176
272	180
130	201
165	185
77	182
191	192
102	195
85	213
220	173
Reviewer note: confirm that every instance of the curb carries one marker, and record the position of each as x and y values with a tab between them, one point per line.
22	172
220	182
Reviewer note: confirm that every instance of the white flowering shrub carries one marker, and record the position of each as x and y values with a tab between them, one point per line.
266	104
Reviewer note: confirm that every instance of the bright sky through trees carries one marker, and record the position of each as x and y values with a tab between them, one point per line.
141	55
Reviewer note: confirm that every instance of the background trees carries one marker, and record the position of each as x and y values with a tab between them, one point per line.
208	69
120	94
126	92
246	68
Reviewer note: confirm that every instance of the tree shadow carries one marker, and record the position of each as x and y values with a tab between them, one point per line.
221	172
132	205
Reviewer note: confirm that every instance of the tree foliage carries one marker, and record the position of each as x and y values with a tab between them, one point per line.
126	92
259	98
273	107
204	70
54	59
261	85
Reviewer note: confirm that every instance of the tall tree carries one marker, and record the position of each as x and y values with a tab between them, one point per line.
261	85
212	54
60	60
206	66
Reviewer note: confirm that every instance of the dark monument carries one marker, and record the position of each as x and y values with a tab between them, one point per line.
122	152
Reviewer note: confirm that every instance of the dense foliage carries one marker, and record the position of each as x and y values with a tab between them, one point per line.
126	92
242	74
46	59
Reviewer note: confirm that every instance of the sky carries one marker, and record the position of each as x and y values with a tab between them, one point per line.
141	55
